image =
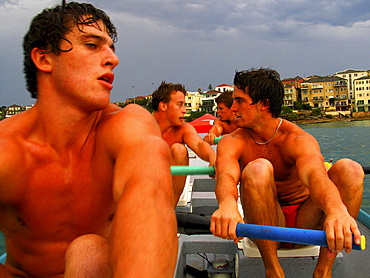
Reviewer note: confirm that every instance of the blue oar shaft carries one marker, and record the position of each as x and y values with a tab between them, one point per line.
293	235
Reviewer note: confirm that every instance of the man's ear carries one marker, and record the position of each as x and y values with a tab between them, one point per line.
41	59
162	106
265	104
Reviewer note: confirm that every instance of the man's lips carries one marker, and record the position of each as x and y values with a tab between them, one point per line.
107	79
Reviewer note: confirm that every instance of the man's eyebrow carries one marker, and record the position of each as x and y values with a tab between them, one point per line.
99	38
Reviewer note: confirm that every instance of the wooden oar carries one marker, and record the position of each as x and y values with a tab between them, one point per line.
189	223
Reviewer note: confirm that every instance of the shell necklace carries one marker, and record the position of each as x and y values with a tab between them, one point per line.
264	143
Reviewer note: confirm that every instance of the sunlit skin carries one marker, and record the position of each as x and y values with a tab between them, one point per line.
73	158
287	170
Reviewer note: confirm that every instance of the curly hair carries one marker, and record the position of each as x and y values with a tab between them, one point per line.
263	84
163	93
50	27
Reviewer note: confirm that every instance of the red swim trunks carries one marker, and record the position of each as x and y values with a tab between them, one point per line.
290	213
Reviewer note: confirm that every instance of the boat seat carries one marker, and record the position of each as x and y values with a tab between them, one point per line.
250	249
185	197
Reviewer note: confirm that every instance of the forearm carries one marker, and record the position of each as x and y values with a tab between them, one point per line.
226	190
325	194
206	153
149	227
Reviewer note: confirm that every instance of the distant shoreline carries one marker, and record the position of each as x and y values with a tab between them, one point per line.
326	120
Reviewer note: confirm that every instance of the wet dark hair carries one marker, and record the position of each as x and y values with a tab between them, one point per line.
263	84
49	28
226	98
163	93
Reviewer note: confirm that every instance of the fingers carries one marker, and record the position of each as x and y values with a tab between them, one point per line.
342	237
209	138
224	227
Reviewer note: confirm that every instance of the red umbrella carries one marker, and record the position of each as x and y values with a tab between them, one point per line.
204	123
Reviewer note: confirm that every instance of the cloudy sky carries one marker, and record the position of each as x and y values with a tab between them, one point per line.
198	43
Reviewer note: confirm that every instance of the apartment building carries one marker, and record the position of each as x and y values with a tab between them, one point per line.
224	88
193	101
327	93
361	89
351	75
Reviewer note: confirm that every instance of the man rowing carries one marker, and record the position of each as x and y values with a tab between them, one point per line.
283	180
169	111
225	123
81	178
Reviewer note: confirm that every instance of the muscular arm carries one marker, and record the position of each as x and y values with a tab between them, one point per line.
225	219
142	188
215	131
324	193
200	147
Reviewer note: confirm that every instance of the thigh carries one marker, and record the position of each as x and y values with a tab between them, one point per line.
179	154
88	256
310	216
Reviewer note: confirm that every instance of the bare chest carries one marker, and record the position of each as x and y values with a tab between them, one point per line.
50	192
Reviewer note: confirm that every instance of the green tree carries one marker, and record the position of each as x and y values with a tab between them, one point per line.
210	87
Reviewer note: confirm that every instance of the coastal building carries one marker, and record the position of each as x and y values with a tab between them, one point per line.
12	110
208	101
351	75
361	89
224	88
329	93
193	101
290	95
209	104
292	90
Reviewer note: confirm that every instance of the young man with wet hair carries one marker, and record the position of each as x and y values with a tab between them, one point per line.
81	178
283	180
169	112
225	123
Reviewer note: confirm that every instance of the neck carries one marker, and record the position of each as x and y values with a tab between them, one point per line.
272	137
163	123
63	127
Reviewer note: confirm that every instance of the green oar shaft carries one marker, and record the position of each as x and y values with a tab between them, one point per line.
192	170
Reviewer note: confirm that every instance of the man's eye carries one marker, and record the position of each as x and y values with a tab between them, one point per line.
91	45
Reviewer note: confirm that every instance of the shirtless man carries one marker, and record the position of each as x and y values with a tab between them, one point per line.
169	110
283	181
225	124
78	172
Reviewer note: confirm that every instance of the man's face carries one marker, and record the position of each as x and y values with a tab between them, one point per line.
245	113
224	113
176	108
84	75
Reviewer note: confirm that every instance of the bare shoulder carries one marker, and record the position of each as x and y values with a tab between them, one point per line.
295	133
233	142
12	134
127	125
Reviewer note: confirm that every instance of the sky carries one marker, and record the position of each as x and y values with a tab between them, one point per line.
198	43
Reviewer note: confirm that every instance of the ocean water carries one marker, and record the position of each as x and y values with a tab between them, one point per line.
345	140
337	140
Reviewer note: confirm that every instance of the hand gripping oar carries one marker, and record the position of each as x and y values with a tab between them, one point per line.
195	224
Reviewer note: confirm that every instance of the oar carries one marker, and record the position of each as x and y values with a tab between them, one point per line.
189	223
210	170
192	170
